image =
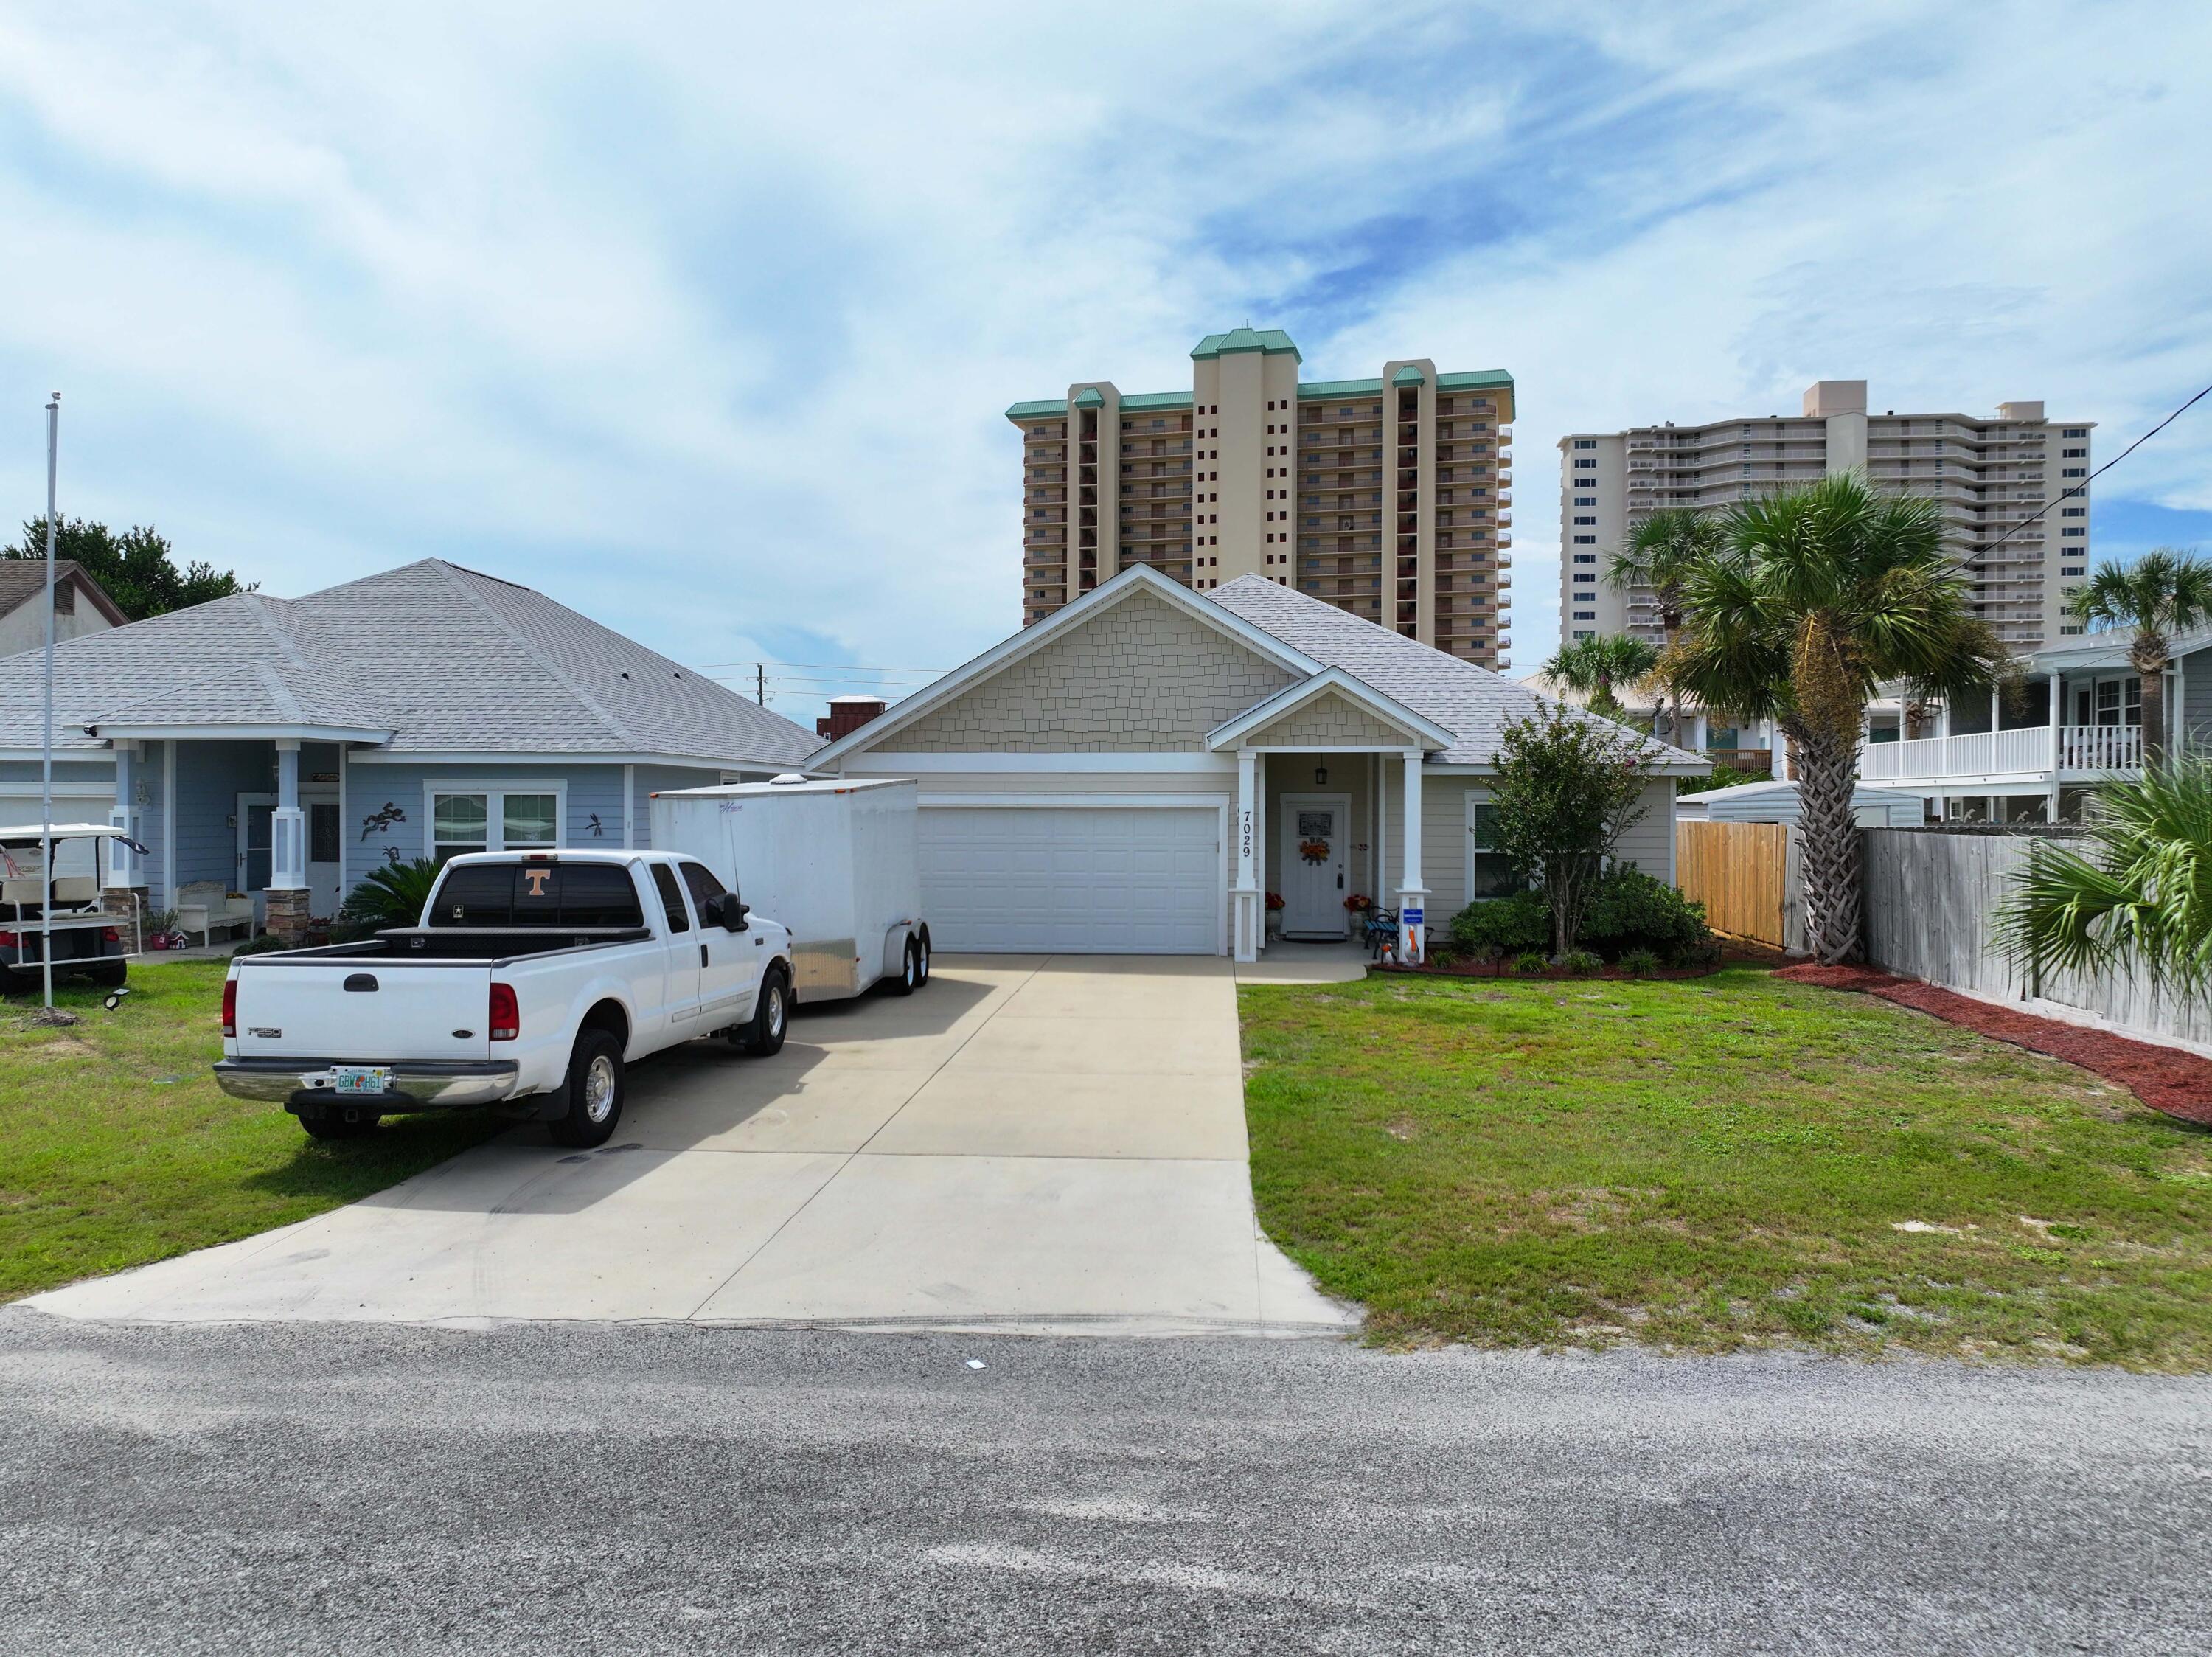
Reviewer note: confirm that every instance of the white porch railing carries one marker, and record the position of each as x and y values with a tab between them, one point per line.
2094	748
2101	747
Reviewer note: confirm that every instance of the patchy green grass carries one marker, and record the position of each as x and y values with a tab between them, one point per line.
117	1148
1717	1163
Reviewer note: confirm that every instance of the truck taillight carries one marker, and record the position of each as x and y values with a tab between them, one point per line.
111	934
506	1016
230	1006
9	941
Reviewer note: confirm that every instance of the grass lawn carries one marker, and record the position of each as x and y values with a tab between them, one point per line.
117	1148
1717	1163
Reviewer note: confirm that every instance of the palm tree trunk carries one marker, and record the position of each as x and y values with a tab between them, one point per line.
1825	767
2153	716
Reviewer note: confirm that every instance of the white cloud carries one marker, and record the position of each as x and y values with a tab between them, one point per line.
702	319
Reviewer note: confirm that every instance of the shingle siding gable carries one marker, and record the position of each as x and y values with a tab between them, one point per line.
1329	722
1138	677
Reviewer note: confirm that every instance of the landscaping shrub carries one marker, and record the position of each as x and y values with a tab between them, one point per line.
1531	965
392	895
1582	964
1639	963
1630	910
1703	955
1507	925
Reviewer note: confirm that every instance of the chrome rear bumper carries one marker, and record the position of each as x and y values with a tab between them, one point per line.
424	1085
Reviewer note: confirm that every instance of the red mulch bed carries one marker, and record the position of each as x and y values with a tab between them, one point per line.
2165	1078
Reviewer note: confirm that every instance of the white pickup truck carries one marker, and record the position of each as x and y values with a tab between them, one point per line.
534	978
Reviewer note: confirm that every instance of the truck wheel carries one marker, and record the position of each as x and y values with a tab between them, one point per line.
764	1036
921	959
909	977
337	1121
595	1092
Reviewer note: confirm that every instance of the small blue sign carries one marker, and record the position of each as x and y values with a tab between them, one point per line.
1411	915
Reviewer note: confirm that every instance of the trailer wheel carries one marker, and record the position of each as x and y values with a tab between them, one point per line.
762	1036
909	977
337	1121
922	958
595	1092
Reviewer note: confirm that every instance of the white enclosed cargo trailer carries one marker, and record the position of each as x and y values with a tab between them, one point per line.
835	862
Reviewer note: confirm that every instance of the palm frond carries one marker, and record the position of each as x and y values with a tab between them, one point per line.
2139	895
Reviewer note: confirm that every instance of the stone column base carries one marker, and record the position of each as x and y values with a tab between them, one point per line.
128	904
286	909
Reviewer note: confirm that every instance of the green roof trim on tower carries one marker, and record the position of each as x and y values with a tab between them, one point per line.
1409	375
1474	381
1339	388
1043	411
1271	341
1155	401
1090	398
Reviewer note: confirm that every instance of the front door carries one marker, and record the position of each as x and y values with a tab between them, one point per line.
255	812
1310	863
325	841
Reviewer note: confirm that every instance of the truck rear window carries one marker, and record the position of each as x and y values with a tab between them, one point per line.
537	894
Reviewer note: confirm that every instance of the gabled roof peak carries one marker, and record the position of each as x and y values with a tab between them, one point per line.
1267	341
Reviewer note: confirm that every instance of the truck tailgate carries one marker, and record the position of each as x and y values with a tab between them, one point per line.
372	1012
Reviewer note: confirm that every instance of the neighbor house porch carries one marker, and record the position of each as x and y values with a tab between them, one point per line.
2027	757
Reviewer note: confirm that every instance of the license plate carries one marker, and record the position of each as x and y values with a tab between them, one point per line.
359	1078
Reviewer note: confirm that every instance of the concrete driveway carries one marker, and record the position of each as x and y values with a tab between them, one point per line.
1030	1143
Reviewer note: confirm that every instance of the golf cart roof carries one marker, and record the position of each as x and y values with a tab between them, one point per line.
34	833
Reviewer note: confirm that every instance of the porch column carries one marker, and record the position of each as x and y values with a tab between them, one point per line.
285	907
1245	919
2058	744
1698	728
1412	895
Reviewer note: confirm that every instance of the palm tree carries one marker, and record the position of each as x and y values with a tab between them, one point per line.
2159	595
1593	667
2140	896
1820	595
1659	555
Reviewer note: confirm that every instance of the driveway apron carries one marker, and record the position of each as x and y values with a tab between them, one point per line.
1046	1143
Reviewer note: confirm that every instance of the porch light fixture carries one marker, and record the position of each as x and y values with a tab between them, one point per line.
1321	777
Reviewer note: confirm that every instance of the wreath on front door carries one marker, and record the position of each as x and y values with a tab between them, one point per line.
1314	851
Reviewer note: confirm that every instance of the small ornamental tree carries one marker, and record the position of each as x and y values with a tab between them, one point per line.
1568	787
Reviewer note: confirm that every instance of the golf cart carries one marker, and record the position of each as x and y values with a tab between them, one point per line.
86	943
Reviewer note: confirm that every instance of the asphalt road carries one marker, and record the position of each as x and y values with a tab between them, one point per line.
587	1488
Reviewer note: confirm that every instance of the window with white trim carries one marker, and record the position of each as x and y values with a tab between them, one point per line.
1490	872
523	819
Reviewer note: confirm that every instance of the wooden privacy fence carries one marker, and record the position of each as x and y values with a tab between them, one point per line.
1745	875
1931	896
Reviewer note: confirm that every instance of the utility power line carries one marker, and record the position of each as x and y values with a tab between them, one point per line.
2083	487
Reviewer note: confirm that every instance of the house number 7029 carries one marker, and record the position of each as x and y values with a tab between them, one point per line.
1244	837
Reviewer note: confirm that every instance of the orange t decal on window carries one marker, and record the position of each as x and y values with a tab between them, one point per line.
537	879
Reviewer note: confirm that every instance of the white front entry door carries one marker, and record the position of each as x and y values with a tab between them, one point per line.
1312	857
1083	879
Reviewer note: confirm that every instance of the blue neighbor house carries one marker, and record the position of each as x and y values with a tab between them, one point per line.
282	748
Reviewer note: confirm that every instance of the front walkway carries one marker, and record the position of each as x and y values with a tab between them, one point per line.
1050	1144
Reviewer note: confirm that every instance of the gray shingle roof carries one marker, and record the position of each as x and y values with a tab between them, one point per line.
22	579
1472	703
451	660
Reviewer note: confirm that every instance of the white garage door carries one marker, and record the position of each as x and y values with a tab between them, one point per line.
1083	879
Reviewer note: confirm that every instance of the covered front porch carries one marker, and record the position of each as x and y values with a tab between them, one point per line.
1329	814
2021	758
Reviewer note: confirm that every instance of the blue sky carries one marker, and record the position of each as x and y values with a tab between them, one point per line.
702	320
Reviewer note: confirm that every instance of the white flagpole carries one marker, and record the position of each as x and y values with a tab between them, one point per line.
46	739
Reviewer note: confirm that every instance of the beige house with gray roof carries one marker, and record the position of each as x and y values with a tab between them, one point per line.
1136	772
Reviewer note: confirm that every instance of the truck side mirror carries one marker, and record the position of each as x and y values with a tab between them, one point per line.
734	913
